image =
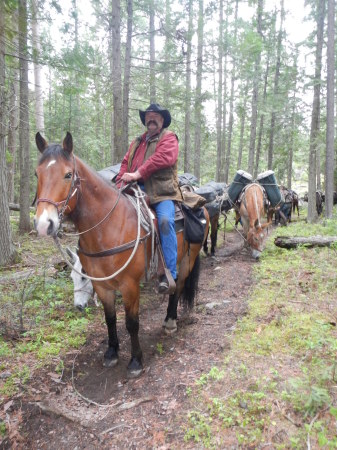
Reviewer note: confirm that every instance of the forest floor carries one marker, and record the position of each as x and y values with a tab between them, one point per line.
94	407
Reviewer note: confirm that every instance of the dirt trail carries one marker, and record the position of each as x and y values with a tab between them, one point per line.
148	412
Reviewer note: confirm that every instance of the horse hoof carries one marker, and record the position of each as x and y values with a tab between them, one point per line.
135	368
110	358
170	326
110	362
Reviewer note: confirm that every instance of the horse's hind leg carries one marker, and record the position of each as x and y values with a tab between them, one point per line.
214	233
170	322
205	247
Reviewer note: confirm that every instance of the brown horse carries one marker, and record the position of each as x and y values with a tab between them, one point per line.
251	212
108	226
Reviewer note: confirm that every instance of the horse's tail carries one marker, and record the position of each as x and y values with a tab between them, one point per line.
191	285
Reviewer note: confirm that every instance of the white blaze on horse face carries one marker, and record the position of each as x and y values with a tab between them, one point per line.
83	289
51	163
43	222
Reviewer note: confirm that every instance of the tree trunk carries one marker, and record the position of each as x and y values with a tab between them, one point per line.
152	55
39	114
127	71
167	47
309	242
198	100
119	151
231	102
219	131
24	223
7	250
292	130
330	113
315	116
255	96
276	91
242	124
187	136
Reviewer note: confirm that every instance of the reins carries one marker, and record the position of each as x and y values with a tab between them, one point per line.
101	221
138	194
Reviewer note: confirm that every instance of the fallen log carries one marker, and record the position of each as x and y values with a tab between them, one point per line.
311	241
16	207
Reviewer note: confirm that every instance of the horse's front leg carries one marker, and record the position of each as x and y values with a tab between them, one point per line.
131	301
108	300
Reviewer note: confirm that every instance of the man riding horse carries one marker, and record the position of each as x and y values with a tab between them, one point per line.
152	161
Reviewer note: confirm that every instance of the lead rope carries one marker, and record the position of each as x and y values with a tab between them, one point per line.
138	195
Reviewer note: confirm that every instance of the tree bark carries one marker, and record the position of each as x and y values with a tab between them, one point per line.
255	95
231	101
242	110
219	130
127	71
39	112
330	113
152	55
187	136
309	242
7	250
198	99
315	116
119	151
24	223
276	91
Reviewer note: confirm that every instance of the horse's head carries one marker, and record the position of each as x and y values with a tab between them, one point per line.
83	289
255	238
56	184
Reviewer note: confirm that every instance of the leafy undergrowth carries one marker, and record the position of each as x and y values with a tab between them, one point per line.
37	326
278	384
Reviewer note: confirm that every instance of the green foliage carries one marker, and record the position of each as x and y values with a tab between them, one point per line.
288	324
199	430
160	348
2	428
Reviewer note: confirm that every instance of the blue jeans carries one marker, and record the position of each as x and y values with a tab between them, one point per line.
165	212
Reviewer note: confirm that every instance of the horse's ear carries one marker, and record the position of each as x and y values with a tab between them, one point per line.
68	143
41	143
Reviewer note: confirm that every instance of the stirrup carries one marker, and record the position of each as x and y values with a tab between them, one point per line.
167	284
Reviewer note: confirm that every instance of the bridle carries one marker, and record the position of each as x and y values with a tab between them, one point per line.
75	184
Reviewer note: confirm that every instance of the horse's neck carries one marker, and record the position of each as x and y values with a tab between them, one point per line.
96	197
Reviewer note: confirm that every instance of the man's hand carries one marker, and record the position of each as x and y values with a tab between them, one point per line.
131	176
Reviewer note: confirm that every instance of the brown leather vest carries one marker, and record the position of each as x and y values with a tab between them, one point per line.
162	184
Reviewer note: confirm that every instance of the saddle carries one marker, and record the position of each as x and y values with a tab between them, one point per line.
242	193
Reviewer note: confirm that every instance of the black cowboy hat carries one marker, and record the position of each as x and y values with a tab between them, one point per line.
154	107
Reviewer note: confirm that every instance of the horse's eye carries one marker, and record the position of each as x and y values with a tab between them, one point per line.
68	175
83	279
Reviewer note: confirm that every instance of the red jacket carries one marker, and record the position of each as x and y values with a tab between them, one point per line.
166	155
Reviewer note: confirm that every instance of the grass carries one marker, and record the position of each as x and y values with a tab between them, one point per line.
278	383
38	326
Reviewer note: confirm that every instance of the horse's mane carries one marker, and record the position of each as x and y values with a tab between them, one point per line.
56	151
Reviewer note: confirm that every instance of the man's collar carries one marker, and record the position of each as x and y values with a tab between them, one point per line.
148	137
